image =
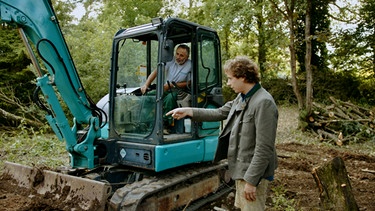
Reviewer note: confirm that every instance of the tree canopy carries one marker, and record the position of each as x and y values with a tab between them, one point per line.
271	32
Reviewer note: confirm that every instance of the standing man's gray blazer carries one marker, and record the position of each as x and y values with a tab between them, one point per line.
248	138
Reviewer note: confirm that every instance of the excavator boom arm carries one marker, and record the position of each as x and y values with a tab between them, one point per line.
37	22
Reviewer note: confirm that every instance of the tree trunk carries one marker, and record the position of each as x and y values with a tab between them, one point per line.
289	14
293	61
334	186
262	49
309	78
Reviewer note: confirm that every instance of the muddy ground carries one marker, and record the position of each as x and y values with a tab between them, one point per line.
295	181
294	187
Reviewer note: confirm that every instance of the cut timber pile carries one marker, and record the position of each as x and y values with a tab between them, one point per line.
342	122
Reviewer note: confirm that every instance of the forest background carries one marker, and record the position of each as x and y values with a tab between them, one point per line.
307	50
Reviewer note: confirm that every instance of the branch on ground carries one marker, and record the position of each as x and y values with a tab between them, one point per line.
19	119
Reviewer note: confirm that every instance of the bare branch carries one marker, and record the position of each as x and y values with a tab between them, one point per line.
284	13
10	99
345	14
18	119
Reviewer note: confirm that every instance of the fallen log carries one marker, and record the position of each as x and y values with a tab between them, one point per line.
326	135
344	120
334	186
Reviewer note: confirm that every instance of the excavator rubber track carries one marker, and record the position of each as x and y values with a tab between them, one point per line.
173	191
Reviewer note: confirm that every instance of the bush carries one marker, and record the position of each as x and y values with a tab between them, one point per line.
281	90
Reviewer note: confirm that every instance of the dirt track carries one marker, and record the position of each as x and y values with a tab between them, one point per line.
294	187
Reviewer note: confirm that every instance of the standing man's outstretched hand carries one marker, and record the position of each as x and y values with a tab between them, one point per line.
179	113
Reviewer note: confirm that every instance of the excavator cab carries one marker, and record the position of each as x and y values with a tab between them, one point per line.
135	120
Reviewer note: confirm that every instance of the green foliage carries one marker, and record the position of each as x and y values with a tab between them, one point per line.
131	12
252	28
249	28
319	31
14	62
341	85
354	47
228	93
92	59
280	201
303	120
63	9
367	90
366	29
281	90
16	78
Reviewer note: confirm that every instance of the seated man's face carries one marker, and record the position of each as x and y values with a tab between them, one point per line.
181	56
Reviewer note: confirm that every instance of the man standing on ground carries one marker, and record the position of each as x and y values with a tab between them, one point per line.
250	129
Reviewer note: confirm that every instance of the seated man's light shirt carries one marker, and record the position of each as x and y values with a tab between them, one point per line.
176	72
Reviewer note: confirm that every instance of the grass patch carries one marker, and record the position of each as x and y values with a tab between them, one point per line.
32	147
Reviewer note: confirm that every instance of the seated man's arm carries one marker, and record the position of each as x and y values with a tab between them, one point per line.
149	80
